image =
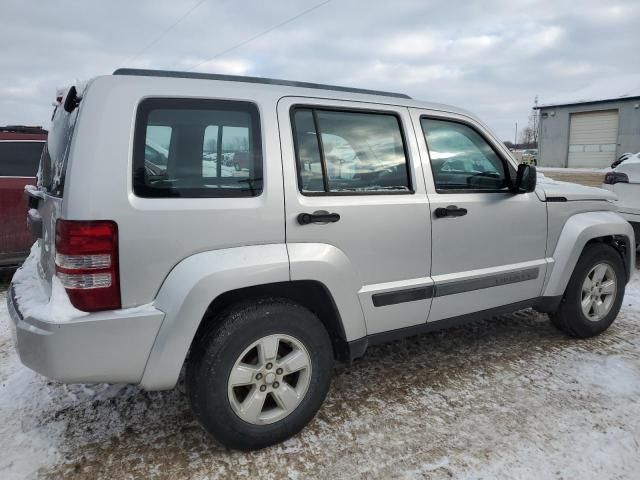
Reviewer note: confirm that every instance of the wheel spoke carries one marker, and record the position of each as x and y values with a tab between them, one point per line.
586	304
608	287
587	284
286	397
252	405
251	380
268	349
293	362
599	308
599	273
242	374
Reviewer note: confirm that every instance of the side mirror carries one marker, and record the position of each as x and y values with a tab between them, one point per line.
525	179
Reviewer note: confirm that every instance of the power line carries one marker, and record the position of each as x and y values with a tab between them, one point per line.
165	31
269	30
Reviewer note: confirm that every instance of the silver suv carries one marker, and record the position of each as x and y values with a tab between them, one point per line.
255	231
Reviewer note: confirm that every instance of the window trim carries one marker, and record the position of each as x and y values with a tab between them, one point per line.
325	179
508	167
148	104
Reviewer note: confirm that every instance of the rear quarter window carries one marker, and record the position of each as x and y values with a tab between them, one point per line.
20	158
197	148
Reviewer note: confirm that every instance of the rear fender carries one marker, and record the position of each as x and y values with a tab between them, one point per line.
330	266
188	291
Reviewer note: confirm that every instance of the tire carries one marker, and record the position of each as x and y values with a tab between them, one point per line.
570	316
224	342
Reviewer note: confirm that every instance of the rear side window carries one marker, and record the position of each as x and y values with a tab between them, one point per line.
53	166
349	152
20	159
197	148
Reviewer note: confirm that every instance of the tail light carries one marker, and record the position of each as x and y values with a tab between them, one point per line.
87	263
611	178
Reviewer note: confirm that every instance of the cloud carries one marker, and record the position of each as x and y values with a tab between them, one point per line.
236	66
491	57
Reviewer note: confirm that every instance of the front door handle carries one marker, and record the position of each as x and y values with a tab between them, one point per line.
319	216
450	211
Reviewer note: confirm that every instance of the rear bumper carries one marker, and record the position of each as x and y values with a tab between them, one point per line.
104	347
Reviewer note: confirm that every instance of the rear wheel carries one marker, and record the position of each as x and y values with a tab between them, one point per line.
594	294
260	373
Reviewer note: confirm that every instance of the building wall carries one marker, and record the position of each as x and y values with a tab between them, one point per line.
553	141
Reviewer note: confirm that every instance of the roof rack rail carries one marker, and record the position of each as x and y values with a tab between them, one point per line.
240	78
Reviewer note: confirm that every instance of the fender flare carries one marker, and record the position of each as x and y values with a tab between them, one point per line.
330	266
188	291
577	231
198	280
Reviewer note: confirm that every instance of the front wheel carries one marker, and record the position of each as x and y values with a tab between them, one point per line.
594	294
260	373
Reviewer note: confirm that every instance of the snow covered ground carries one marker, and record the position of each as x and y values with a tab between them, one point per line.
506	398
573	170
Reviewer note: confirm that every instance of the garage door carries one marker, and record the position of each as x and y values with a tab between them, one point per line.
593	137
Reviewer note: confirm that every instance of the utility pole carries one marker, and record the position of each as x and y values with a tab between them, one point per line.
515	138
536	120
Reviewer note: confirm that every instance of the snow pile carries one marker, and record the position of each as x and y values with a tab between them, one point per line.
26	442
544	180
32	295
573	170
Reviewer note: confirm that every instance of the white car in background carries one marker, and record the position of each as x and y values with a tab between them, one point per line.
624	181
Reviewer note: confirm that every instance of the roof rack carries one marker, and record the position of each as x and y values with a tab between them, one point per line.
239	78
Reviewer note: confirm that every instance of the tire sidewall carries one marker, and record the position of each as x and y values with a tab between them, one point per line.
595	255
208	385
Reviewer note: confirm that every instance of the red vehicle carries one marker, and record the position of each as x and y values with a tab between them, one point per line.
20	150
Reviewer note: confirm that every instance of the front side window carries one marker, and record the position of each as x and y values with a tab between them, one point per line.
341	152
461	159
197	148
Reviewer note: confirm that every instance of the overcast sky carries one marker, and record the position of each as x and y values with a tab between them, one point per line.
491	57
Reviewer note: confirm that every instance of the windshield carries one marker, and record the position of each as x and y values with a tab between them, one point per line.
53	161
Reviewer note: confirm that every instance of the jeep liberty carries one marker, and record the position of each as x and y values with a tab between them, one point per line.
255	231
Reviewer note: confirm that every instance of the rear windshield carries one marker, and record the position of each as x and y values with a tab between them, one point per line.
54	156
20	158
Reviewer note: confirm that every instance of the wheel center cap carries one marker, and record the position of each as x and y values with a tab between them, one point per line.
269	378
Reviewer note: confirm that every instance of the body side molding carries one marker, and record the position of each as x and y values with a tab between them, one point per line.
441	289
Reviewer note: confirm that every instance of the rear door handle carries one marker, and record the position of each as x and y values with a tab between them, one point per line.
319	216
450	211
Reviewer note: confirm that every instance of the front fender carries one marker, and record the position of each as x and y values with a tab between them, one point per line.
577	231
190	288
